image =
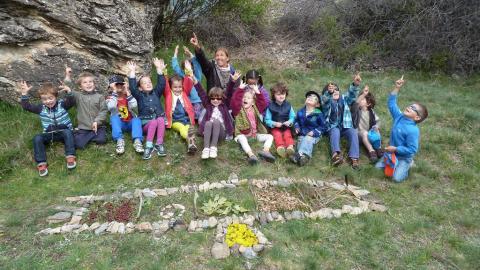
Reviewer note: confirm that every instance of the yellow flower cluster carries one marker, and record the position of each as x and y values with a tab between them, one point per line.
240	234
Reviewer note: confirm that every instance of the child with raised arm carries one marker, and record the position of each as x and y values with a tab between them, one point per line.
367	123
91	110
121	105
405	134
310	126
179	109
279	117
218	70
249	122
150	110
197	73
336	108
56	123
216	124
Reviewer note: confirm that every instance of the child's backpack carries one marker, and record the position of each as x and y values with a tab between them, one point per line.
390	161
374	138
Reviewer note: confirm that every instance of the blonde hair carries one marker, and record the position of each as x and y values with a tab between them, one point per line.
84	75
48	89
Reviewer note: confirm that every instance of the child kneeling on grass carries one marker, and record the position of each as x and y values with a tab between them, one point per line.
405	134
121	104
247	108
310	126
56	123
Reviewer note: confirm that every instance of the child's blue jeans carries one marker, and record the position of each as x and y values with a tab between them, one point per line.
118	126
62	135
401	169
352	138
305	144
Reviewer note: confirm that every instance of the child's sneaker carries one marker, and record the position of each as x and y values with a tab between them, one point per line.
71	162
355	164
372	156
160	150
213	152
290	151
281	152
137	144
302	160
252	160
205	153
120	146
267	156
148	153
42	169
192	148
337	159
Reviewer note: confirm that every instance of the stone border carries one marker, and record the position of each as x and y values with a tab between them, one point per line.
170	221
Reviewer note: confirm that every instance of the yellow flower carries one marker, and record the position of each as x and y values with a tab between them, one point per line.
240	234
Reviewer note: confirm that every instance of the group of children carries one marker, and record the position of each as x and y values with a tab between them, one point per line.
231	108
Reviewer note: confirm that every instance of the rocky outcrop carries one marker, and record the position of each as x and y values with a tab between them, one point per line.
38	38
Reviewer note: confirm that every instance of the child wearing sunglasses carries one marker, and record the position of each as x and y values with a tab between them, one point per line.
336	108
215	122
405	134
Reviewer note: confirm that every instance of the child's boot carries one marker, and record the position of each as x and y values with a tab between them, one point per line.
337	159
148	153
71	162
281	152
137	145
42	169
372	156
303	159
290	151
252	159
267	156
192	148
120	149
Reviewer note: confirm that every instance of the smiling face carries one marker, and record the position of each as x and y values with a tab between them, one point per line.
280	97
221	57
216	100
247	100
87	84
312	100
412	112
146	84
331	88
48	100
336	94
177	87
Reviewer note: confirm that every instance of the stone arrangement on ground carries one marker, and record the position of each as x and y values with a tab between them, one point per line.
74	218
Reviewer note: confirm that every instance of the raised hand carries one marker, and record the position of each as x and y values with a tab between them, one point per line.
131	66
175	54
68	73
23	88
64	87
399	83
235	76
255	88
357	79
194	41
187	52
242	85
159	64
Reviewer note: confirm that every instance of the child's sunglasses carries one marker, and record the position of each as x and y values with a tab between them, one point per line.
216	98
414	108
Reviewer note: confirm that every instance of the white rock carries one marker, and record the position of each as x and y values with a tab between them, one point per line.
337	213
59	217
137	193
230	185
377	207
56	230
94	226
83	228
161	192
178	206
228	220
347	209
75	220
192	226
121	228
101	229
258	248
262	240
336	186
143	227
44	231
356	211
363	205
171	190
220	250
212	222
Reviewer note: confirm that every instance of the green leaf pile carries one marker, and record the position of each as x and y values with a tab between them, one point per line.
221	206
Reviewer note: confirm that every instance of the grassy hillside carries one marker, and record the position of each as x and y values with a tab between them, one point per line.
432	220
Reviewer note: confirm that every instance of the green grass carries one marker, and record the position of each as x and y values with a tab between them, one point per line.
432	223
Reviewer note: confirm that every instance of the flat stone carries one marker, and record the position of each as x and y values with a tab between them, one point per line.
179	225
206	186
235	219
94	226
230	185
223	182
220	250
44	231
363	205
212	222
228	220
347	209
336	186
56	230
320	183
144	227
249	220
284	182
171	190
121	228
65	208
337	213
205	224
192	226
377	207
75	220
137	193
147	193
129	228
199	229
59	217
249	253
219	237
161	192
83	228
288	215
262	239
356	211
274	214
73	199
112	227
233	178
258	248
242	249
69	227
101	229
178	206
297	215
127	195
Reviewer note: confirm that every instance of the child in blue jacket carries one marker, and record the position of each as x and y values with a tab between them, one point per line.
405	134
309	126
